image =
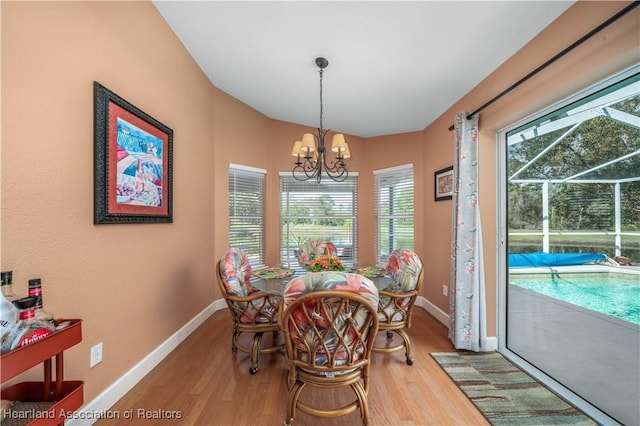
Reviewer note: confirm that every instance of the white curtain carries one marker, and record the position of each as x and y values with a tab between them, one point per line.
467	312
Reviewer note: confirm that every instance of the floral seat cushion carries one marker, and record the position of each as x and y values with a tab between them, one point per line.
327	280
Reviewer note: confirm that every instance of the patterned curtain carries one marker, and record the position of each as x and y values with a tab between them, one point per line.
467	312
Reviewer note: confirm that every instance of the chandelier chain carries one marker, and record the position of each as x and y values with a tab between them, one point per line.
321	75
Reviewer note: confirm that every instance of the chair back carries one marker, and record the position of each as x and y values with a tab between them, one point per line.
405	269
311	249
235	271
247	305
329	321
396	302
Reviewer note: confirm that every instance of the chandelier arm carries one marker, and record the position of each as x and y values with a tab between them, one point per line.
334	166
308	168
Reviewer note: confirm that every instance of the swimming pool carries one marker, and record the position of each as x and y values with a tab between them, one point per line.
602	289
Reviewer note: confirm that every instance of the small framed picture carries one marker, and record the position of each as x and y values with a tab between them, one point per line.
443	184
133	163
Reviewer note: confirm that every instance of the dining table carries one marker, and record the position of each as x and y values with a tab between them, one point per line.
273	280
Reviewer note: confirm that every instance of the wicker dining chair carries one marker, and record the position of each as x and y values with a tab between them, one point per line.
252	311
396	303
329	323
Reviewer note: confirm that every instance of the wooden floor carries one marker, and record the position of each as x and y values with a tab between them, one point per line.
207	385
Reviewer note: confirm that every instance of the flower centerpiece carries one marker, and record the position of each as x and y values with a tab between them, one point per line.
326	262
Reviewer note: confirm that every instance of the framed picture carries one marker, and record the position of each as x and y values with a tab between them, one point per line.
443	184
133	163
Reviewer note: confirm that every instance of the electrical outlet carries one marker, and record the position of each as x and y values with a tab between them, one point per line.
96	355
445	290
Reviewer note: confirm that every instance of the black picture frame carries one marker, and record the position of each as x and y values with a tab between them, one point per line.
133	163
443	184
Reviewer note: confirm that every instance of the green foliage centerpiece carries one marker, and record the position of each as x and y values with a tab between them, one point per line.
326	262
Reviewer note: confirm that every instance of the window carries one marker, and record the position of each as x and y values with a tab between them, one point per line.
247	211
325	210
394	210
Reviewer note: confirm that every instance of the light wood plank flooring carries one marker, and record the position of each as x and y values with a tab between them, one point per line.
208	385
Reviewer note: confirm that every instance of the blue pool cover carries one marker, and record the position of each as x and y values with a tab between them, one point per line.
552	259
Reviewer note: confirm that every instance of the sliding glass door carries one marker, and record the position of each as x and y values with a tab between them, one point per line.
570	222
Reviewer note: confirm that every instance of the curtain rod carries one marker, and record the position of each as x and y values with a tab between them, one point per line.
555	58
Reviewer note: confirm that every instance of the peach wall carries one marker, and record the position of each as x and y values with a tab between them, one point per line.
242	136
135	285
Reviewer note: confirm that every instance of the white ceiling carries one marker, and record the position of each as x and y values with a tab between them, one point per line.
394	66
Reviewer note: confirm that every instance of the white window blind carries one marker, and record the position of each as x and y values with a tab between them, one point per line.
247	211
325	211
394	199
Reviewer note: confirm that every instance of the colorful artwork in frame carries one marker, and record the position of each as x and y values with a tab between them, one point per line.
443	184
133	163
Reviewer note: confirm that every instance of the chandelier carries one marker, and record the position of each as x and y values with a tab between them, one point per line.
311	154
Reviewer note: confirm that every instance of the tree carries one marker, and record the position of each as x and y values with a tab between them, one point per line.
577	154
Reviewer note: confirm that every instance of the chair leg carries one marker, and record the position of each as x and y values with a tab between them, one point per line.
365	378
407	344
362	402
294	394
291	378
255	352
234	338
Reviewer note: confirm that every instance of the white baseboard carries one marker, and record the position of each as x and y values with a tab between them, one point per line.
100	405
489	344
438	313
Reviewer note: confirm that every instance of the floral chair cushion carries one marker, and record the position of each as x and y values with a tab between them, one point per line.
327	280
311	249
404	268
236	273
